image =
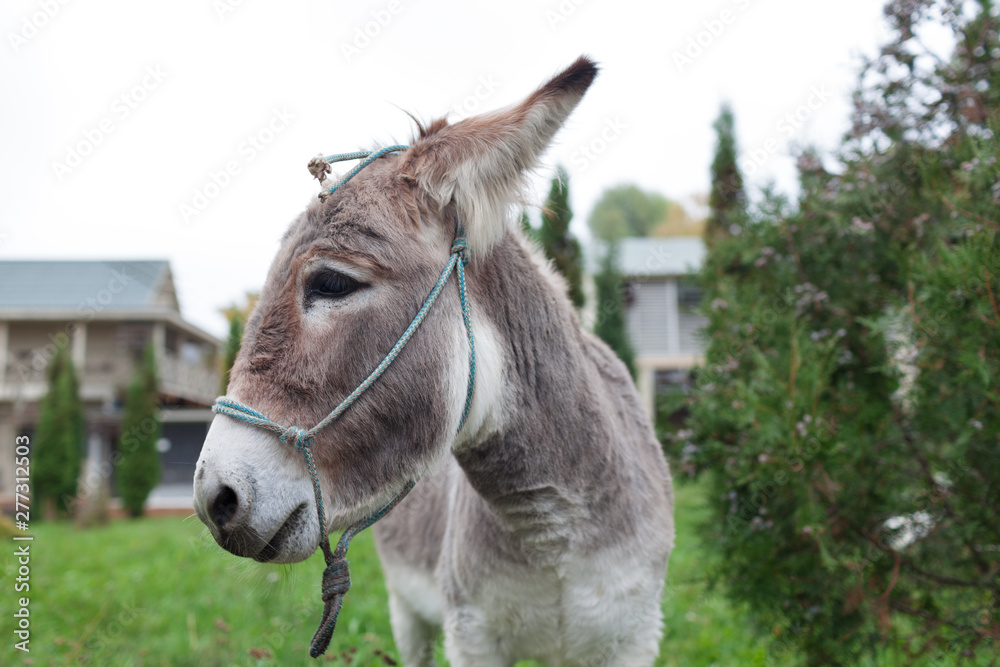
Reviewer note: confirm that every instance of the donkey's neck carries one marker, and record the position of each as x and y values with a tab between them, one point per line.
544	453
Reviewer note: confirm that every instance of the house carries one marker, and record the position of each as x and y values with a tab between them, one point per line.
105	313
661	301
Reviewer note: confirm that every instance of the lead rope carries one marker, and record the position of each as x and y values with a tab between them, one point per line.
336	576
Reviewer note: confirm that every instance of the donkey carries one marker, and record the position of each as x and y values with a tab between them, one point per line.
542	527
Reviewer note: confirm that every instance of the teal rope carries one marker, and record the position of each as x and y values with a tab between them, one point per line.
336	575
366	159
468	329
356	155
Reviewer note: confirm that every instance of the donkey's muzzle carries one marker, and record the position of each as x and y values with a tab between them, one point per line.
226	507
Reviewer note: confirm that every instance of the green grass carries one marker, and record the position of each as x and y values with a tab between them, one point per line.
160	592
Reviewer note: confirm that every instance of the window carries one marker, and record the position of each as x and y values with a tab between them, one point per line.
191	353
688	295
133	338
171	341
673	381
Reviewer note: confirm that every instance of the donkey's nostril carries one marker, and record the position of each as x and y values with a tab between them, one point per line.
224	507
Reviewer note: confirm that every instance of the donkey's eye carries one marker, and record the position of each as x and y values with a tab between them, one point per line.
331	285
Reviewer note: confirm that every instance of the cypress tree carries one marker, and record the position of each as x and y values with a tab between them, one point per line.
237	317
727	199
558	242
57	449
610	324
139	462
233	342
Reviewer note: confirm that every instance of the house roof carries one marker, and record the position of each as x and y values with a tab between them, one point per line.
644	257
80	286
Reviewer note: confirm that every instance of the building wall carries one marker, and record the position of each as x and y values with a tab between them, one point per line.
663	325
690	333
7	435
113	348
647	318
108	353
105	353
30	347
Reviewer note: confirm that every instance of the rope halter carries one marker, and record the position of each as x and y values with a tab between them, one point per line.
336	576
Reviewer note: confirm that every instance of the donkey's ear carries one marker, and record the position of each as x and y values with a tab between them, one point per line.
479	163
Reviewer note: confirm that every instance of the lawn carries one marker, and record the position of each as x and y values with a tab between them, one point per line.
160	592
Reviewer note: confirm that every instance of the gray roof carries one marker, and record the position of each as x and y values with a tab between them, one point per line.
69	285
641	257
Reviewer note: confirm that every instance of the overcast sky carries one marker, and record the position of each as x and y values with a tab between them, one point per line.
181	130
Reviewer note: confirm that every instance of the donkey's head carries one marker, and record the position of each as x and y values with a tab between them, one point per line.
351	273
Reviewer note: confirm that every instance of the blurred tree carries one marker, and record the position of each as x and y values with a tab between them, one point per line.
524	222
626	210
233	342
139	461
727	201
678	222
558	241
57	448
610	323
848	405
242	312
237	316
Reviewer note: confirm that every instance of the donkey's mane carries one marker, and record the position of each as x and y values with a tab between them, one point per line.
425	131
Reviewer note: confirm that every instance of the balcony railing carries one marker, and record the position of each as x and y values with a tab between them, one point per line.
194	382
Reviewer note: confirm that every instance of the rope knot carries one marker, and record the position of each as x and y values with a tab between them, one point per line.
295	435
460	247
336	579
319	167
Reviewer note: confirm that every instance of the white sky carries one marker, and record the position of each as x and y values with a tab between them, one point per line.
226	69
